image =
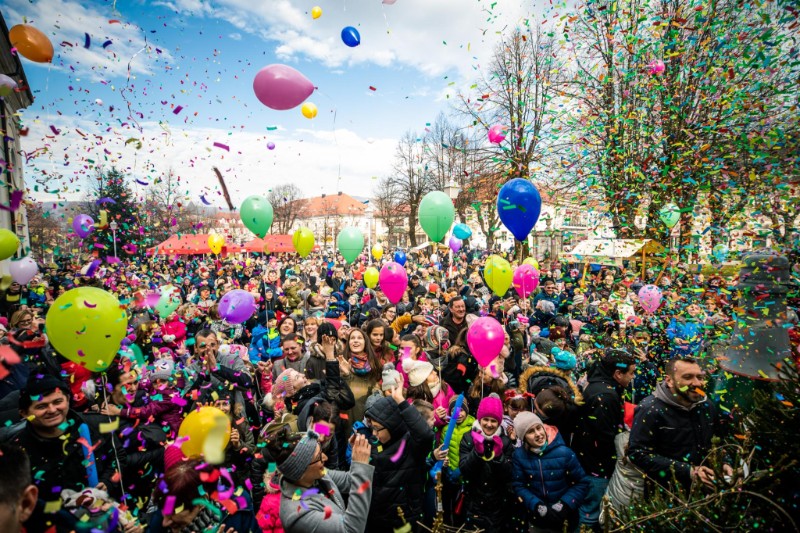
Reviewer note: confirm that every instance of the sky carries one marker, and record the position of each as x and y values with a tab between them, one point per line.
151	86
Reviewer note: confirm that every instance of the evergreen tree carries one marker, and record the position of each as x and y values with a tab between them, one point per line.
111	193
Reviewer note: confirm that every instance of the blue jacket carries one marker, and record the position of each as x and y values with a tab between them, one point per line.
550	476
265	344
687	330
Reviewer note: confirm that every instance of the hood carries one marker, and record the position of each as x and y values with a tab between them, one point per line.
598	373
532	371
554	440
306	410
663	393
386	412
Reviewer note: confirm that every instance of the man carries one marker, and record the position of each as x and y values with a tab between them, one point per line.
223	370
601	419
549	293
455	322
417	289
672	428
18	494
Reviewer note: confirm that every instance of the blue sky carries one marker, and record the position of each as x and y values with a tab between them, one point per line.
203	54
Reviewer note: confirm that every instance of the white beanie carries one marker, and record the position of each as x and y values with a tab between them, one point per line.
417	371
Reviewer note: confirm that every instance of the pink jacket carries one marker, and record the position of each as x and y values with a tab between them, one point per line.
167	410
442	400
269	513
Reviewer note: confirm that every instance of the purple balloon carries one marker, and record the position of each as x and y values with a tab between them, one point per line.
237	306
271	146
83	225
23	271
281	87
455	244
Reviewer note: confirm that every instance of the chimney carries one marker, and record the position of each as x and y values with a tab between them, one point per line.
340	193
323	195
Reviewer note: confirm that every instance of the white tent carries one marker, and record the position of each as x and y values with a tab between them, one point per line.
613	252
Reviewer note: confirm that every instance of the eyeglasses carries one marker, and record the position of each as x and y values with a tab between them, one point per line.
375	430
317	460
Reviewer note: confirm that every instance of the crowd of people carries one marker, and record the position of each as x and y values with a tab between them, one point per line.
352	413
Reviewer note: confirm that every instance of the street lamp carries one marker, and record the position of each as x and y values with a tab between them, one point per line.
452	190
113	225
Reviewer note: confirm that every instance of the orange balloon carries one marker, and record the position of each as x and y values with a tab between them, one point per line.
31	43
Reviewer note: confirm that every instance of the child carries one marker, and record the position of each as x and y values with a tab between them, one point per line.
513	403
485	464
410	348
266	341
424	384
546	475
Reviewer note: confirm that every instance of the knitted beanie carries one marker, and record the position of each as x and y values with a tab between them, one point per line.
436	337
417	371
491	407
162	369
523	422
294	466
284	385
390	377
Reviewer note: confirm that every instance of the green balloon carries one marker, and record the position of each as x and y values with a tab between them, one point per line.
350	243
670	215
436	215
256	213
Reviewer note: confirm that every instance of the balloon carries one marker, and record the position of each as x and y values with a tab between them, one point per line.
316	12
455	244
394	280
371	276
351	37
7	85
308	110
23	270
256	214
270	146
497	274
526	279
31	43
377	252
436	215
216	242
208	430
485	338
281	87
400	257
83	225
720	253
519	205
9	243
656	67
86	325
462	231
670	215
497	134
168	301
532	262
237	306
350	243
650	298
389	2
303	241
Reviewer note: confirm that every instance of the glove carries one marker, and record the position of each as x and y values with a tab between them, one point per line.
541	509
560	511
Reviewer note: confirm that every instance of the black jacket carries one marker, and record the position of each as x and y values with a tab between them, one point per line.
460	369
452	328
399	478
487	485
665	434
600	420
331	388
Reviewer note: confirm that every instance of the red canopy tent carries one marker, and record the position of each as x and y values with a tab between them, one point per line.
190	245
275	244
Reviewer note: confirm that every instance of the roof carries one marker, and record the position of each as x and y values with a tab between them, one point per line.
336	204
612	251
272	244
187	244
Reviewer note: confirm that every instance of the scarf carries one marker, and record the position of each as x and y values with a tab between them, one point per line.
479	439
207	521
360	364
436	389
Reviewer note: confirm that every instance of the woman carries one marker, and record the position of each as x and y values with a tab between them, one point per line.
286	326
621	300
376	330
301	462
309	333
21	319
315	366
361	370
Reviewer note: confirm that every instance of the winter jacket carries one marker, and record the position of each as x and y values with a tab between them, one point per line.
265	344
161	408
454	450
441	400
283	363
269	512
627	482
688	331
325	510
539	377
460	369
550	476
400	473
487	493
601	419
666	434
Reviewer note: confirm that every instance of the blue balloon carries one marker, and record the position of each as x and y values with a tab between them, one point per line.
519	205
462	231
400	257
351	37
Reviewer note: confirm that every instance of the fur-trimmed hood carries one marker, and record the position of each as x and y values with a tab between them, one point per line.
552	372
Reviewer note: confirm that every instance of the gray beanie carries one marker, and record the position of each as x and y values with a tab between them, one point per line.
390	377
162	369
371	399
294	466
523	422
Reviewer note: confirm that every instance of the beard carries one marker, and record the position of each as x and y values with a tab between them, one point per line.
690	395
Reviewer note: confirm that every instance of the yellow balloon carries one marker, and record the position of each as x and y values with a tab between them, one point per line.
303	241
371	276
531	261
316	12
377	252
309	110
498	275
208	430
86	325
216	242
9	243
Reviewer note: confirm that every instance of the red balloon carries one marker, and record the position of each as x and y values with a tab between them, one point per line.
281	87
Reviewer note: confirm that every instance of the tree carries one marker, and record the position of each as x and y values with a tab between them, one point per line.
388	207
166	212
109	192
46	233
285	206
410	178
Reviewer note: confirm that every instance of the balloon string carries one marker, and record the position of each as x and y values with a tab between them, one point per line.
335	141
103	379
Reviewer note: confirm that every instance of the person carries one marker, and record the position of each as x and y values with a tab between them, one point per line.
547	475
220	369
18	494
301	462
425	384
600	420
361	370
293	356
673	427
403	443
686	332
455	322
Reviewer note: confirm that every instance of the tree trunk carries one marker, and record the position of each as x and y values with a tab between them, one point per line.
412	226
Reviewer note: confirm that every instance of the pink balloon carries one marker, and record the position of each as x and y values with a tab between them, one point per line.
393	281
656	67
497	134
650	298
485	338
281	87
23	271
455	244
526	279
83	225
